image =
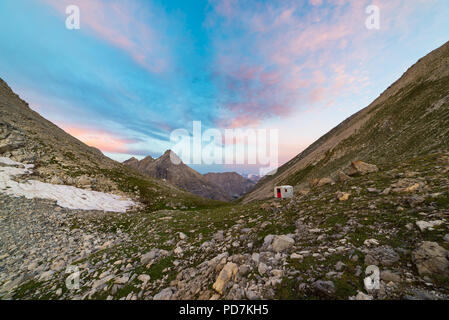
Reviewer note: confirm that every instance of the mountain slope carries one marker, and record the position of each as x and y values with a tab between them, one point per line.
179	175
410	118
59	158
231	182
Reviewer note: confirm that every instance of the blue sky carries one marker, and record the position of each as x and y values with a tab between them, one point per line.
137	70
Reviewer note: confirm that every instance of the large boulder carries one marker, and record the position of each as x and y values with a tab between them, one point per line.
428	225
10	140
342	177
383	255
165	294
281	243
431	259
83	181
316	183
360	168
227	274
150	256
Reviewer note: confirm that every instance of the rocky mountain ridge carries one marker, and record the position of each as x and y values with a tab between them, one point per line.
408	119
179	175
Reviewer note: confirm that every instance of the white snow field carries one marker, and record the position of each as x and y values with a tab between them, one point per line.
66	196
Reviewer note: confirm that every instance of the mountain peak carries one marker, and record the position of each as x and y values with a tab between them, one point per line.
172	156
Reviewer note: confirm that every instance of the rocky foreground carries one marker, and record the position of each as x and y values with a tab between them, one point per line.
317	245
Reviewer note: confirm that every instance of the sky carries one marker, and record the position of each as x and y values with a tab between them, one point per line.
137	70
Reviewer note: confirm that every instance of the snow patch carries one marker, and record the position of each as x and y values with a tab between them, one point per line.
65	196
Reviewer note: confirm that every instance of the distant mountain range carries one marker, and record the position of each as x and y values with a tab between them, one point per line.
218	186
232	183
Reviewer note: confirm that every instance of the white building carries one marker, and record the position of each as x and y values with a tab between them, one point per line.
283	192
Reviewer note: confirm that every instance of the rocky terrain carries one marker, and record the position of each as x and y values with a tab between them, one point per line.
314	246
353	211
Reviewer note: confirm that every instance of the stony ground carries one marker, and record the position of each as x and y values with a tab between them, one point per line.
314	246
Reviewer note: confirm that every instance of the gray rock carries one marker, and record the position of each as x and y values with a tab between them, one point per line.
431	259
251	295
268	240
146	258
281	243
165	294
262	268
255	257
324	288
339	266
363	297
388	276
384	255
419	294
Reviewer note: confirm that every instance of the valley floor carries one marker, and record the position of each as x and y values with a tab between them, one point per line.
313	246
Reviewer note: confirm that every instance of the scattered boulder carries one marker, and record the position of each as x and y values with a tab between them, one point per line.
371	242
295	256
363	297
146	258
343	196
144	278
251	295
408	185
342	177
226	275
420	295
83	181
262	268
281	243
316	183
165	294
340	266
11	142
384	255
56	180
431	259
424	225
268	240
389	276
325	289
360	168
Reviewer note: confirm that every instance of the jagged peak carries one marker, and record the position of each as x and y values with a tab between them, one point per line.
172	156
132	159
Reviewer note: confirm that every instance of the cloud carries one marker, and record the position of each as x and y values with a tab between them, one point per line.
129	26
101	139
274	58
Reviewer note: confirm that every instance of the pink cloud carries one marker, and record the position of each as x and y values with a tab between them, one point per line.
125	25
278	59
101	139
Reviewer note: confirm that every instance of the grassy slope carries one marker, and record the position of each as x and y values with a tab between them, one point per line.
319	209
